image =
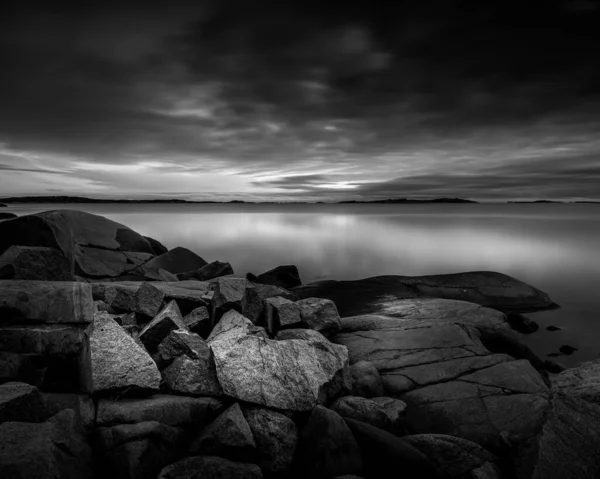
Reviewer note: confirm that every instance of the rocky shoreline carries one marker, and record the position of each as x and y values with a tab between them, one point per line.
121	358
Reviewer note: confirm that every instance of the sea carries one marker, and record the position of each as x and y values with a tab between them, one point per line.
554	247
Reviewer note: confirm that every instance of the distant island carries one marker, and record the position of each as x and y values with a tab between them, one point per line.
407	201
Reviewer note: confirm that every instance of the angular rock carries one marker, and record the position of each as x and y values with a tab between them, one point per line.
232	325
303	334
236	294
200	467
276	438
210	271
46	301
54	449
157	330
195	377
266	291
227	436
198	321
177	260
385	454
367	381
83	405
363	410
176	411
180	342
320	314
35	263
396	412
146	300
281	313
290	375
282	276
138	451
157	247
21	402
112	360
451	456
327	447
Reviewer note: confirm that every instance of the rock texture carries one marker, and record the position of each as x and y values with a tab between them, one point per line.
200	467
320	314
207	272
283	276
21	402
145	300
195	377
157	330
36	263
366	380
363	410
236	294
198	321
281	313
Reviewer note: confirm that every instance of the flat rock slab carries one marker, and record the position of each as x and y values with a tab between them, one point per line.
433	359
46	301
379	294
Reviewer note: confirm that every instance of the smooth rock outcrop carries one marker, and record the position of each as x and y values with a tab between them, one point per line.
281	313
21	402
290	375
112	360
177	260
200	467
34	263
167	320
286	276
366	380
320	314
46	301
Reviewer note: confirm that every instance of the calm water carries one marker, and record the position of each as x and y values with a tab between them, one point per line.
551	246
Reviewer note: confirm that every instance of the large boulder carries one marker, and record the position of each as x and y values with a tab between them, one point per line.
434	358
198	321
37	263
327	447
54	449
292	375
200	467
112	360
286	276
366	380
320	314
167	320
281	313
236	294
177	260
46	301
176	411
379	294
21	402
276	438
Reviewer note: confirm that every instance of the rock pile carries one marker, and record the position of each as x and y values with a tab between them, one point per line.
176	369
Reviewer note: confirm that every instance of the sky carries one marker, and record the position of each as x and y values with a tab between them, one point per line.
274	100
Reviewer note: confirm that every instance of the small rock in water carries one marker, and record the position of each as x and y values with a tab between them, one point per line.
566	349
553	328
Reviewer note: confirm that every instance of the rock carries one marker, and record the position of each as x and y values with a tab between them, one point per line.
157	247
176	411
553	366
200	467
232	325
290	375
210	271
327	447
127	320
195	377
180	342
395	410
198	321
46	301
27	368
385	454
378	295
283	276
35	263
363	410
177	260
236	294
522	323
54	449
568	350
112	360
276	438
451	456
367	381
281	313
434	358
227	436
303	334
21	402
146	300
95	246
486	471
553	328
7	216
320	314
83	405
138	451
266	291
158	329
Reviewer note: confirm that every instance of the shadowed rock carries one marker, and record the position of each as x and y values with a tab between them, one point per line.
157	247
146	300
200	467
177	260
283	276
7	216
236	294
195	377
363	410
35	263
207	272
366	380
21	402
281	313
198	321
320	314
158	329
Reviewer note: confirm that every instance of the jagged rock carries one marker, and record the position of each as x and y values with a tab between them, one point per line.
46	301
180	342
227	436
379	295
281	313
157	247
303	334
177	260
433	358
290	375
320	314
35	263
170	410
157	330
198	321
210	271
282	276
451	456
363	410
54	449
138	451
367	381
266	291
327	447
385	454
200	467
111	359
276	438
193	376
146	300
236	294
232	325
396	412
83	405
21	402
